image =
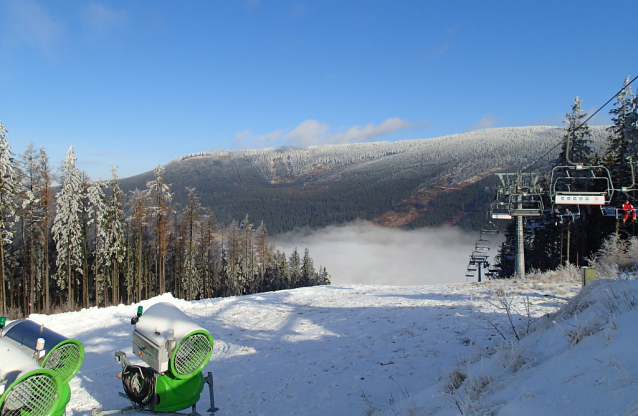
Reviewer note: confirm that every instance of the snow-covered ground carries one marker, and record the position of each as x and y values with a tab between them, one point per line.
394	350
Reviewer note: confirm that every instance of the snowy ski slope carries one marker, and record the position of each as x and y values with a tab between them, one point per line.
357	349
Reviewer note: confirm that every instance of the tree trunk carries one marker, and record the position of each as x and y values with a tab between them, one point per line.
115	283
3	293
85	277
69	291
139	265
47	299
32	277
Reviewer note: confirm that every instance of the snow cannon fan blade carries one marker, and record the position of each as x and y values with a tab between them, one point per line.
25	387
61	354
168	340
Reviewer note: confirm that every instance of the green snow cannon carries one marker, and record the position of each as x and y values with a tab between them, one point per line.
62	355
176	349
27	389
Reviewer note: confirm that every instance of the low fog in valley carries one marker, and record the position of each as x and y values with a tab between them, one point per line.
363	253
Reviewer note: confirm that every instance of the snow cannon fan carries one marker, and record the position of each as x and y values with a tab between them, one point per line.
25	387
177	350
61	354
50	350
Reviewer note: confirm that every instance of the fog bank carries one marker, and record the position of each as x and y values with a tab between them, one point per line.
363	253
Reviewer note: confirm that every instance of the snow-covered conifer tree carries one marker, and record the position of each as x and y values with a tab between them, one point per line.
234	252
46	198
8	187
623	140
324	277
192	213
67	227
139	216
207	247
114	234
96	212
578	135
295	268
307	269
263	251
30	212
249	256
282	271
160	206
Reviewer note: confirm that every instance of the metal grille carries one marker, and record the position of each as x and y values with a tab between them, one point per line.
63	361
35	395
192	353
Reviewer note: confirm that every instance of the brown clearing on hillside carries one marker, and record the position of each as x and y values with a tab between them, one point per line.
416	205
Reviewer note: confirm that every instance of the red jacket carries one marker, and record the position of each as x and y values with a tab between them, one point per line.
627	207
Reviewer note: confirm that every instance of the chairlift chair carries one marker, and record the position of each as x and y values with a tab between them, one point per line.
566	212
478	257
490	274
489	228
526	205
535	224
611	211
581	185
482	245
500	211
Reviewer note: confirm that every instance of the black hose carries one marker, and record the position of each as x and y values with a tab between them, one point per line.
139	384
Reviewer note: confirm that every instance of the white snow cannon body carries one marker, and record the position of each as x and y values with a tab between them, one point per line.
46	348
25	387
176	350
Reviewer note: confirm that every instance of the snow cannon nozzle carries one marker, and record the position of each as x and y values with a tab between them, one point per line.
136	318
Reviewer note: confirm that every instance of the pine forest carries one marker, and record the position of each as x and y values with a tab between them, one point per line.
86	243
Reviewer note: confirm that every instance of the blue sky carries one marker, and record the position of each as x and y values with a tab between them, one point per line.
138	83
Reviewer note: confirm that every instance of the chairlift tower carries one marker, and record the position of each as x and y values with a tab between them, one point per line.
525	200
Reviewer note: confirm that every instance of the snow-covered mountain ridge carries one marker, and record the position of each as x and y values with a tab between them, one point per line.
317	186
394	350
281	164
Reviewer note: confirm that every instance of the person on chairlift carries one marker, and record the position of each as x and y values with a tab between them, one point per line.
558	219
627	209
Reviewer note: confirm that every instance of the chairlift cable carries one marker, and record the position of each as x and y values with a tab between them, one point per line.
582	124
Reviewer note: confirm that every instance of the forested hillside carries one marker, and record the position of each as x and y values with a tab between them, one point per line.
411	183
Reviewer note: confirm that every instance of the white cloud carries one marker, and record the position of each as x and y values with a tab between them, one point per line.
442	49
313	133
29	23
245	139
486	122
307	133
252	5
362	253
356	134
100	19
